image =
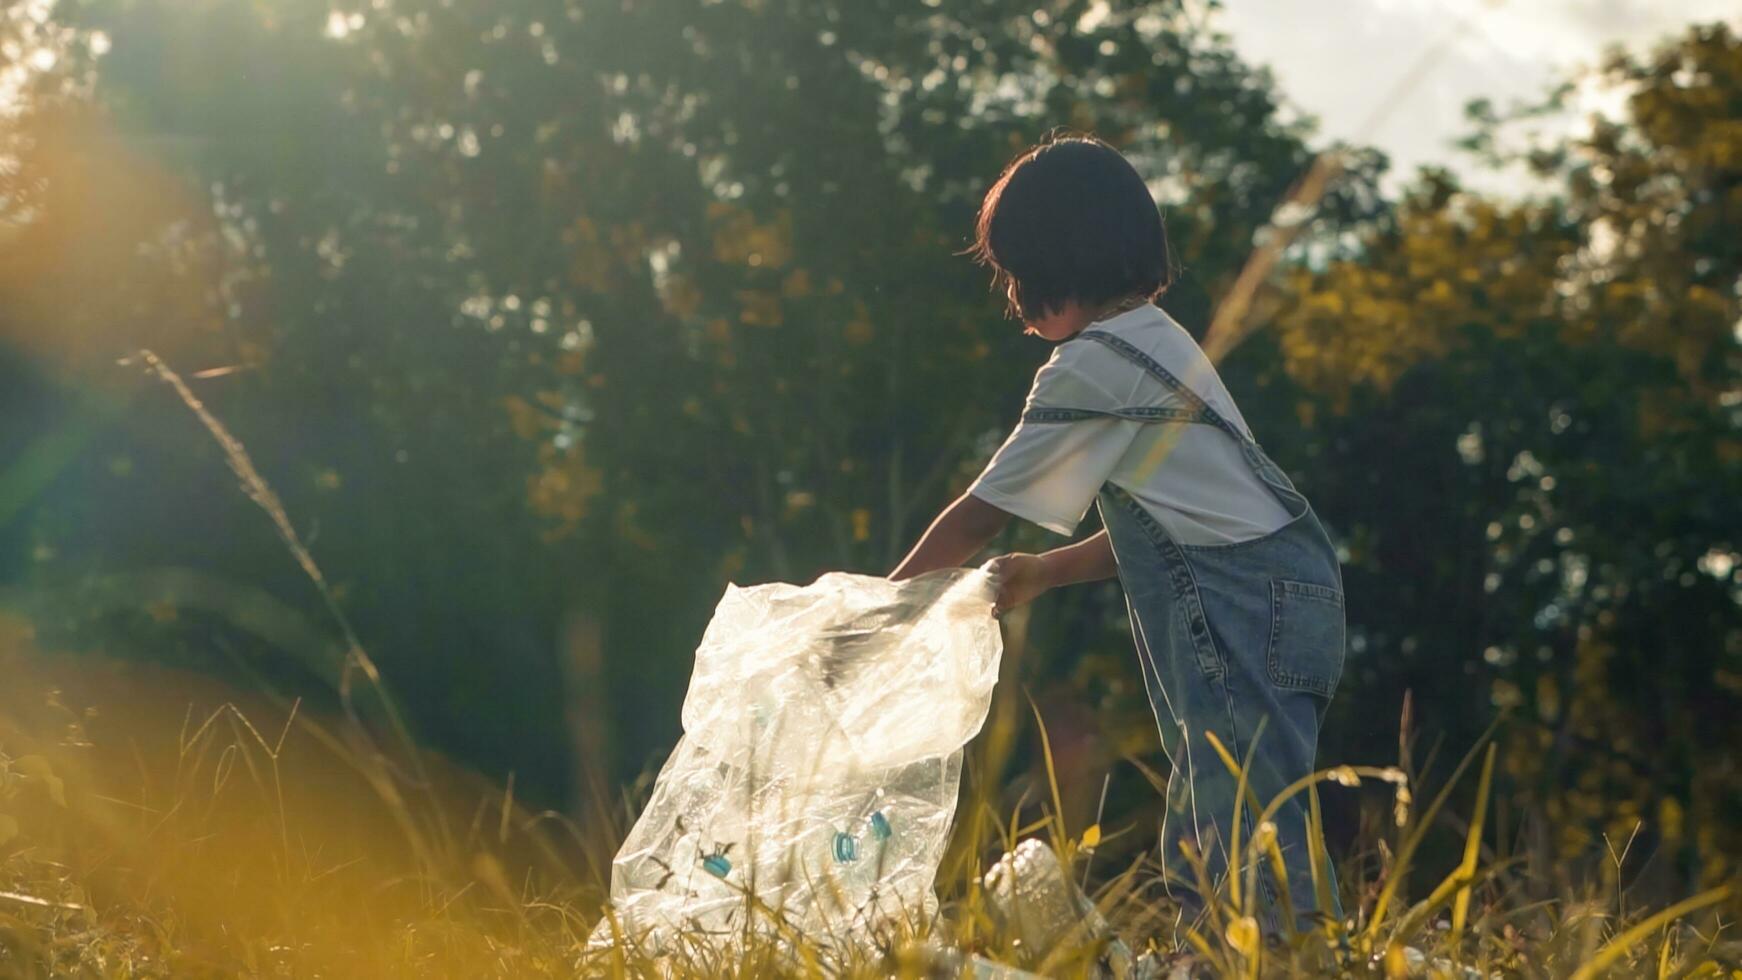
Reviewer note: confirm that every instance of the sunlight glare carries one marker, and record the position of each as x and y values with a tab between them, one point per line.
341	25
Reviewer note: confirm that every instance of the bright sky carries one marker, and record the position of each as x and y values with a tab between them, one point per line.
1339	60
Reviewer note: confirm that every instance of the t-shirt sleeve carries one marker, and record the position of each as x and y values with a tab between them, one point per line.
1050	472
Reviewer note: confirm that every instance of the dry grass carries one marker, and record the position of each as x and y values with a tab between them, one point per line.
155	825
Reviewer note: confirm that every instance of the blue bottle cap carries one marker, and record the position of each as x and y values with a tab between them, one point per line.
717	865
846	848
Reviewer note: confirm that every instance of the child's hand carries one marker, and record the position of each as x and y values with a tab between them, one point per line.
1020	578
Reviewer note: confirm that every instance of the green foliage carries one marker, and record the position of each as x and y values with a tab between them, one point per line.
543	313
1552	384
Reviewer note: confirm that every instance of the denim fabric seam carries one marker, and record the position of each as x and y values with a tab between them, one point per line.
1152	675
1248	824
1156	695
1145	658
1185	587
1311	590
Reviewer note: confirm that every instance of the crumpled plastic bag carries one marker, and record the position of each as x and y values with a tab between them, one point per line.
820	762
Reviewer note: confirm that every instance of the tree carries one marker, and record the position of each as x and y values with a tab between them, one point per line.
1532	458
547	310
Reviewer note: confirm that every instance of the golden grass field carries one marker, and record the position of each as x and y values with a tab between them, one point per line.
155	824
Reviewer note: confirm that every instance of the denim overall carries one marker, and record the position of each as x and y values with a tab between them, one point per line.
1228	635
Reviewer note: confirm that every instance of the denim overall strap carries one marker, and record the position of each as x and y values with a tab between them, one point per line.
1141	413
1199	410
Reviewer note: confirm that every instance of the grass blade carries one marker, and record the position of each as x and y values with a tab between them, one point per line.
1618	946
1473	845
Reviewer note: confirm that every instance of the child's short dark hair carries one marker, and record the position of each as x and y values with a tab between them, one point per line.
1070	218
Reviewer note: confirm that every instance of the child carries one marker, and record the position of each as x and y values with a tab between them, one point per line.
1233	588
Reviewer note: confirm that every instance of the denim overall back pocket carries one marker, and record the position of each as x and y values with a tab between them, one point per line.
1307	636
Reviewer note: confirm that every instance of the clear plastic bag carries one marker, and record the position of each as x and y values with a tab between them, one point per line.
820	761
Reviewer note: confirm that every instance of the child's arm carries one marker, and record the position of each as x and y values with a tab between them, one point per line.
1023	577
957	535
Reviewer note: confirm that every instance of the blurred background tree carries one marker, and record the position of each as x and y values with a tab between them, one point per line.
1532	442
547	319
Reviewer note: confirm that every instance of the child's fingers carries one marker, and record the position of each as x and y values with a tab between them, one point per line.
997	567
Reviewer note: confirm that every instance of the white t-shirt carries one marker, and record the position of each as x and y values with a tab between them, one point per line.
1202	490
